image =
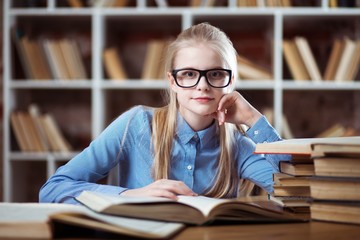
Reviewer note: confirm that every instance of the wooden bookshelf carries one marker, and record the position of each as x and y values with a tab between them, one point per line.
84	106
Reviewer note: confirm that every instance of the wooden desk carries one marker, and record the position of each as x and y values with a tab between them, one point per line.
294	231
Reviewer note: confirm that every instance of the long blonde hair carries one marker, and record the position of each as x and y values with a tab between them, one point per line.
164	119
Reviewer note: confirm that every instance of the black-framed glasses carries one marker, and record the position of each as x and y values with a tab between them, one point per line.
190	77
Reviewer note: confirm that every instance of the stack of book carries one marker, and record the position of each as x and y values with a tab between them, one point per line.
332	172
335	187
292	184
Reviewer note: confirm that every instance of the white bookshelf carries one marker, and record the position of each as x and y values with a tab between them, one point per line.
104	99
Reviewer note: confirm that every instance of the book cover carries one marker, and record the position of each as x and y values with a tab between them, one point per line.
294	61
335	212
337	166
308	58
297	169
303	146
335	188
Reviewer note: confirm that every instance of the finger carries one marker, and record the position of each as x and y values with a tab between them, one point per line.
164	193
179	188
226	102
221	116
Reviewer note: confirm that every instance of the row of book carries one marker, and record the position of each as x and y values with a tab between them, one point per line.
153	66
322	178
46	58
211	3
37	132
342	65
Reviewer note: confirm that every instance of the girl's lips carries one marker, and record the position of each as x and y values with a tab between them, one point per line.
203	99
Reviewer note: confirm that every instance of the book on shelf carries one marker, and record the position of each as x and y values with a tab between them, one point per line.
334	59
72	57
308	58
250	70
294	61
336	130
113	63
53	132
46	221
19	133
348	56
303	146
196	210
56	59
64	58
76	3
25	132
153	59
108	3
354	66
31	56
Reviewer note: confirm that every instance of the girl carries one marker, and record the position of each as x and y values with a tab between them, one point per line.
193	145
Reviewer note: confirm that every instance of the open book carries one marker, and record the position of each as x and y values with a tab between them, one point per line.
44	220
187	209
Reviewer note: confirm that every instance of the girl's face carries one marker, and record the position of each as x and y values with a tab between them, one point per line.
202	99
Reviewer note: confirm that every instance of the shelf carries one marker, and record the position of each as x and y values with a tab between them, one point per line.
84	107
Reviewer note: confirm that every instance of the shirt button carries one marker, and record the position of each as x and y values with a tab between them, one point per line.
256	132
189	167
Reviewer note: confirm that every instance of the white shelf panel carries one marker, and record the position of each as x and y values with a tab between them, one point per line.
134	84
308	85
51	84
33	156
255	84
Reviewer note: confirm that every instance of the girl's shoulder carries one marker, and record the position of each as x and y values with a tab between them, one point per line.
141	111
138	114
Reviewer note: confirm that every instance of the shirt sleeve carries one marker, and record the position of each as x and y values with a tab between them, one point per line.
88	167
259	168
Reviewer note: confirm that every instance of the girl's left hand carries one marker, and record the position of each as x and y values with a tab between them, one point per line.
234	108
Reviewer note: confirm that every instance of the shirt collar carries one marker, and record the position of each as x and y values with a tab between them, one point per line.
185	132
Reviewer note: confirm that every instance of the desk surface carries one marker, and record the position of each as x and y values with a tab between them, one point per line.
294	231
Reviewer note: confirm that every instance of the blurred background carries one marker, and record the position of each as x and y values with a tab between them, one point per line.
69	67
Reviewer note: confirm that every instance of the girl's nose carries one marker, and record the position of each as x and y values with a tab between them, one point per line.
203	84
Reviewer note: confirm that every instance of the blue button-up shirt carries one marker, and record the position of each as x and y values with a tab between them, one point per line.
126	145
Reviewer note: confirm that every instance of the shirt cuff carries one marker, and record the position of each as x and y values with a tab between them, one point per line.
262	132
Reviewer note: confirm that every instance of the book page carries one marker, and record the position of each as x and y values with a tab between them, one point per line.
204	204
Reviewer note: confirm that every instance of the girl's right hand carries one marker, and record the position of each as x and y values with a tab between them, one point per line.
161	188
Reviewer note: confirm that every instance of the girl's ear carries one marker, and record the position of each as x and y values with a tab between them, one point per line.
172	83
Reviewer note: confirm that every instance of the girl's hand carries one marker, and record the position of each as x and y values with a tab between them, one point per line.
234	108
161	188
